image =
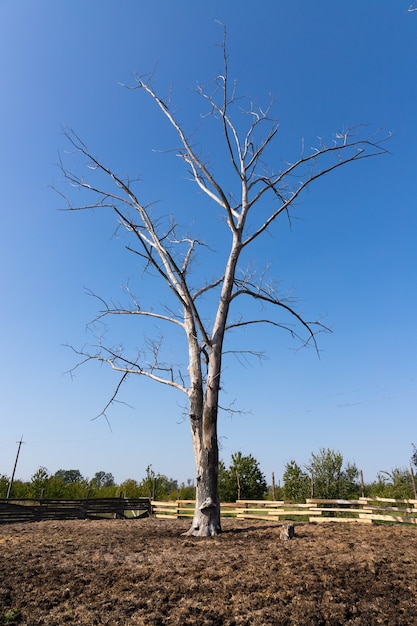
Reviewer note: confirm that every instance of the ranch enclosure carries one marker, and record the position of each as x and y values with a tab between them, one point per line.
144	572
365	510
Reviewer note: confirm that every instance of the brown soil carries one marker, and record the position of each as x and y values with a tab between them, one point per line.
145	572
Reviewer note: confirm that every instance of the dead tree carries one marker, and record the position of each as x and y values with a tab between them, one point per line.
259	193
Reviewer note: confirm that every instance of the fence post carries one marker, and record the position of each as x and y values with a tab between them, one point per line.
312	486
413	481
238	485
362	484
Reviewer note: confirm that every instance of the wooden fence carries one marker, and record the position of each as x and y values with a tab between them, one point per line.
364	510
26	510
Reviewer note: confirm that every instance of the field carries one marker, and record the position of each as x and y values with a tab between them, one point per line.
145	572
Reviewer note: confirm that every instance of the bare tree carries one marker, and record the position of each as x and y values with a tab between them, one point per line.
170	255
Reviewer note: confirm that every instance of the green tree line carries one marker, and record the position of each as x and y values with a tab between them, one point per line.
326	475
72	484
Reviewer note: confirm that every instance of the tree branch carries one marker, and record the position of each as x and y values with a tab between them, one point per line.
113	399
170	271
268	296
294	335
138	311
208	287
198	168
128	367
272	183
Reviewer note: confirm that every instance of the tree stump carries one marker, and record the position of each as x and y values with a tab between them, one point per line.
287	532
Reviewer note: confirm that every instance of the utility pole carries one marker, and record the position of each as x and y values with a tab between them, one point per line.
14	469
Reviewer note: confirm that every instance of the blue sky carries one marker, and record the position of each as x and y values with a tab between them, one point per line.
349	259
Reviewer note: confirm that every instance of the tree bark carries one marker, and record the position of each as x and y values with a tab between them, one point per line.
204	403
206	521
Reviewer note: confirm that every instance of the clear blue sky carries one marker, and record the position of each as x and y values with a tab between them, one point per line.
350	259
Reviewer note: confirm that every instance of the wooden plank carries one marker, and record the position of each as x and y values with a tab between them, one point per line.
390	518
263	503
295	512
258	517
326	501
396	500
319	520
165	509
339	510
393	508
278	512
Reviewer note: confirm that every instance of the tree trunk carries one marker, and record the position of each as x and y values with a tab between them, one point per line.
206	521
204	405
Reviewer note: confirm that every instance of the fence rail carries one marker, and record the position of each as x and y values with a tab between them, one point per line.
363	510
27	510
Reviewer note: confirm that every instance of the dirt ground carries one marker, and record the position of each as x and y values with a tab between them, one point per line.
145	572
